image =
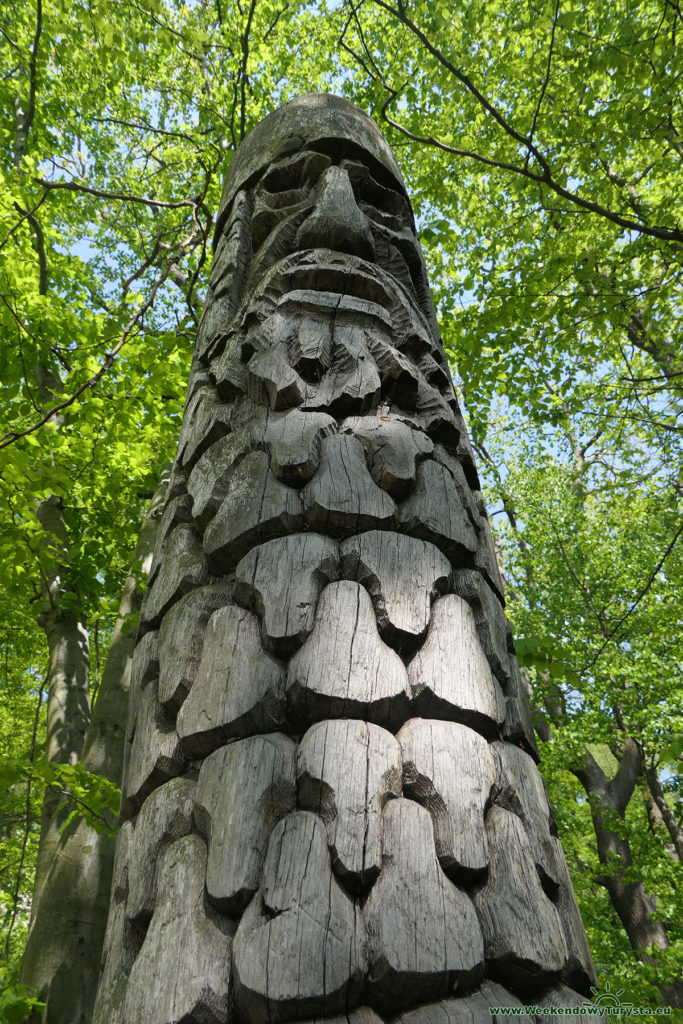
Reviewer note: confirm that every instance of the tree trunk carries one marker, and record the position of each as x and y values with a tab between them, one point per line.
64	946
608	799
664	809
68	700
331	806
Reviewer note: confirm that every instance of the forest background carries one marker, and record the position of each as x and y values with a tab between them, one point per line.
542	148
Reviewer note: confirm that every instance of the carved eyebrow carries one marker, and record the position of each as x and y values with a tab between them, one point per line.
295	171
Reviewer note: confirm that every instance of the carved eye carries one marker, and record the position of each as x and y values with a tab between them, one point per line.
290	176
383	205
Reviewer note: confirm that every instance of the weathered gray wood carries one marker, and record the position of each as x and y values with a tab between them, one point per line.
257	508
176	510
423	932
522	930
474	1008
211	476
346	772
398	374
342	498
435	513
310	348
282	580
452	463
344	669
490	620
145	666
579	970
294	440
273	381
121	941
299	948
180	641
229	371
434	415
485	557
562	997
154	754
238	688
352	386
183	568
519	788
335	322
242	792
518	727
228	273
435	373
183	969
315	116
363	1015
450	769
209	480
450	677
463	451
382	562
165	816
392	450
206	419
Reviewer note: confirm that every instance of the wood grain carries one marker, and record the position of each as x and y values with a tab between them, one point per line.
165	816
521	927
154	753
346	772
238	688
344	669
342	498
450	770
183	970
257	508
392	450
242	792
450	676
282	580
382	562
423	931
299	948
181	636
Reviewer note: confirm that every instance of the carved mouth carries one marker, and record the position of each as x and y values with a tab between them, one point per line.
326	280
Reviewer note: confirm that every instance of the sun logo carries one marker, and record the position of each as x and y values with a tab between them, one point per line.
609	998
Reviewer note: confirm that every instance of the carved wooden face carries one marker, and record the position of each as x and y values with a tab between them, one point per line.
314	201
319	291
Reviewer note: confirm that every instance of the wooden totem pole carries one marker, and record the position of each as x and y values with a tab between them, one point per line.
332	807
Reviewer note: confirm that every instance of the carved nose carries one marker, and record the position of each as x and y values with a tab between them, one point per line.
336	222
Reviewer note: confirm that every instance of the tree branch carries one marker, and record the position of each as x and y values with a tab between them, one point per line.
12	436
545	80
545	178
610	636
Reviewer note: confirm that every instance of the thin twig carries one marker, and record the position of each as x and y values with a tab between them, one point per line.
545	81
637	601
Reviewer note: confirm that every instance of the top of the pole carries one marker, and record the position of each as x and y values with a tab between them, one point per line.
304	120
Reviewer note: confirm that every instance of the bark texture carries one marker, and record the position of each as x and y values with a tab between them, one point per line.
332	807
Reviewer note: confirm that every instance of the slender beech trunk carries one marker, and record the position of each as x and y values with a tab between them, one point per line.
608	800
331	804
664	809
63	950
68	679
